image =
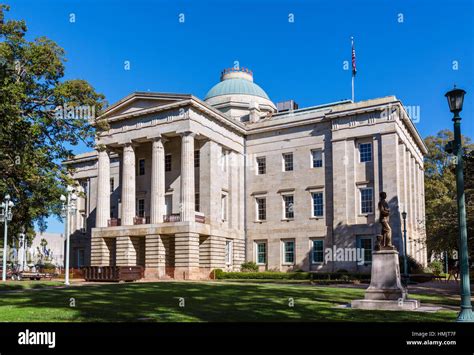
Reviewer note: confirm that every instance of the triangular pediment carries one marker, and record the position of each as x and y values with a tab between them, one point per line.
138	101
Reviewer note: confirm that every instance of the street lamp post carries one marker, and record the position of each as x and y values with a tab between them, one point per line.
68	210
6	216
455	100
405	256
22	249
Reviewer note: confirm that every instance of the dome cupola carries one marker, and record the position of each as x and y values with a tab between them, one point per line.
239	97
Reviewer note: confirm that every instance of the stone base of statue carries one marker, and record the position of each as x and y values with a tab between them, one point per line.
386	291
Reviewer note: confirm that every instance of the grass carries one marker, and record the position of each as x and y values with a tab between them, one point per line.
203	302
28	285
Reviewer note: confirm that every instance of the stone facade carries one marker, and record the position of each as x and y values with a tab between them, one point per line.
184	186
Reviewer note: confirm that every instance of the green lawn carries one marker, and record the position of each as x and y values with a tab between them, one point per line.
204	301
27	285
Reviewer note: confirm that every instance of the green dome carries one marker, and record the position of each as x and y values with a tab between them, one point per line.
236	86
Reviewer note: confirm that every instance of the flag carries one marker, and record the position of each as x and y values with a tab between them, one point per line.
354	70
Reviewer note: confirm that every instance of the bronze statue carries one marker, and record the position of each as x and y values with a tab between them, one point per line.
384	241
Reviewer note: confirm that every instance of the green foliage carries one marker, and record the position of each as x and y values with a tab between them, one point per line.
277	275
249	266
436	267
440	193
34	140
414	266
47	266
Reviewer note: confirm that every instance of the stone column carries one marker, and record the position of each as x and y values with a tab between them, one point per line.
210	192
186	256
154	256
340	162
234	190
103	190
212	252
377	175
409	205
128	185
187	177
126	253
100	254
157	200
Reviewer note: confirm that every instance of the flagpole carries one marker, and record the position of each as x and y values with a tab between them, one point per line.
352	87
354	70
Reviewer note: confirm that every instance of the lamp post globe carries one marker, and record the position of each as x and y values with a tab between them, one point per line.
455	100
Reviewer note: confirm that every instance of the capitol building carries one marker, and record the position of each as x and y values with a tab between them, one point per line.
182	186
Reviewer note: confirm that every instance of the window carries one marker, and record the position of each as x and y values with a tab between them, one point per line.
289	251
288	202
365	151
261	253
141	167
197	158
318	204
83	223
224	207
366	197
261	208
261	166
168	162
197	206
228	252
318	251
168	204
317	158
288	162
112	185
141	208
365	243
84	185
80	258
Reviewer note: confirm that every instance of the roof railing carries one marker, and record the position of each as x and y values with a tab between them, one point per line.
236	70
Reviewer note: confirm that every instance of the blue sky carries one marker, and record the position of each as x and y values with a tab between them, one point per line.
412	58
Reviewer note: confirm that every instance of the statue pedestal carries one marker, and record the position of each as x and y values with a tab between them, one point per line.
385	291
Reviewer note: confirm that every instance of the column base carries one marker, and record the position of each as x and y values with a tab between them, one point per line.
154	273
187	273
389	305
465	316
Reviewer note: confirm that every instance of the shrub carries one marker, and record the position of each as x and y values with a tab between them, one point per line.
436	267
249	267
278	275
414	266
45	266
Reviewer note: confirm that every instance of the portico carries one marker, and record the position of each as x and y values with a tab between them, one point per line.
162	215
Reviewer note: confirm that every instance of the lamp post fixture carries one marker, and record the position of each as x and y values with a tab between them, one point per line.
69	209
405	256
6	216
455	100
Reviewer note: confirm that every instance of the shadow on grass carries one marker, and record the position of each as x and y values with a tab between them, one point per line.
27	285
208	302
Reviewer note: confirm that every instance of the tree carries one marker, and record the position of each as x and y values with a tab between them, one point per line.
35	134
440	193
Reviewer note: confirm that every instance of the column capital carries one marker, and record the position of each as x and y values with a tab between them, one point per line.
187	134
102	148
157	138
